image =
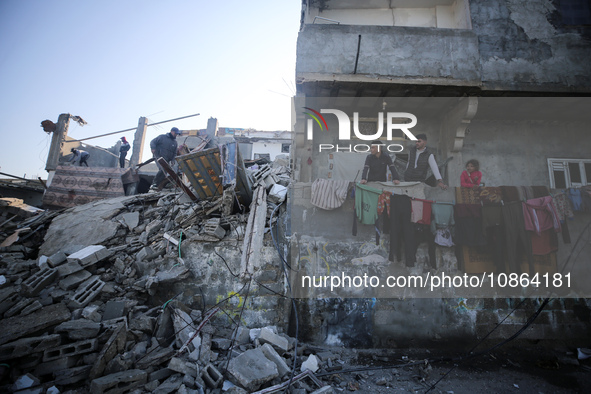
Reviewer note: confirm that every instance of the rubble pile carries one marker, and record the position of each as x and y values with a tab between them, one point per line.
82	309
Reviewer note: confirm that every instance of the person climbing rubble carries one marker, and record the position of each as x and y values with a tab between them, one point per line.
165	146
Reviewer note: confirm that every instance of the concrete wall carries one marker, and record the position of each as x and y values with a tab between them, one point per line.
446	54
513	45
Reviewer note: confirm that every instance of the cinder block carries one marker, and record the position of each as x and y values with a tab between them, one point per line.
72	349
69	268
119	382
90	255
25	346
211	376
86	292
74	280
212	227
37	282
79	329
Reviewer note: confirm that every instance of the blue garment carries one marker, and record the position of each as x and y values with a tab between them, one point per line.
575	197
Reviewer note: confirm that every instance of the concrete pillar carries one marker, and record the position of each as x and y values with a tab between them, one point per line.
59	135
138	142
212	127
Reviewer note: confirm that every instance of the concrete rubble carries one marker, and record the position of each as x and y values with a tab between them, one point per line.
81	308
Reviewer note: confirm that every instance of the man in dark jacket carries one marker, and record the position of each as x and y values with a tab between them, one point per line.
420	158
123	149
164	146
376	165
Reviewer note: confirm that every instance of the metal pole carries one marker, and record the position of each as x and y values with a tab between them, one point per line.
133	128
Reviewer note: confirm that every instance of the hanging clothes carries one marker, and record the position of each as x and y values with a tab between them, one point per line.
575	197
443	219
516	237
494	233
366	203
401	228
421	211
539	214
468	225
329	194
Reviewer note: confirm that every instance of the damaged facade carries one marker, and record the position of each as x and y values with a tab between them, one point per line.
489	80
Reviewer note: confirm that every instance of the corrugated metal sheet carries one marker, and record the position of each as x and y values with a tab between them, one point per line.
72	186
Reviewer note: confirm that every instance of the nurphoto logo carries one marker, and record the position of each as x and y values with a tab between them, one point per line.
394	121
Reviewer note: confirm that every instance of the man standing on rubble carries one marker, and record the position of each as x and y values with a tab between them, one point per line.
123	149
164	146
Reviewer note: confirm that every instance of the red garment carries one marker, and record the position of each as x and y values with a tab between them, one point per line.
539	214
472	179
384	202
545	243
421	211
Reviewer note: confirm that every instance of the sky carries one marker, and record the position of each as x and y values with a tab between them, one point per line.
112	62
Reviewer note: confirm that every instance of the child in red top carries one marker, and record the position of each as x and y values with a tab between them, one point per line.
471	177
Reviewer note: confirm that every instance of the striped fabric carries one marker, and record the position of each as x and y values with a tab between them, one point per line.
328	194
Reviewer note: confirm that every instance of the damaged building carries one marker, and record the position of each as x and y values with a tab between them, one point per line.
500	81
254	277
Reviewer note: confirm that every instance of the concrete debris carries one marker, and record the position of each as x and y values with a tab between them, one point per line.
102	297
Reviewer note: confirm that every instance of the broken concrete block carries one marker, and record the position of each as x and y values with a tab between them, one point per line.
55	365
119	382
18	307
311	364
273	356
19	326
182	326
90	255
56	259
170	385
91	312
153	227
324	390
242	336
9	302
69	268
79	329
146	254
180	366
72	375
160	374
277	194
32	307
155	358
25	382
113	310
74	280
268	336
252	369
87	292
114	345
221	343
25	346
131	219
174	274
72	349
37	282
211	376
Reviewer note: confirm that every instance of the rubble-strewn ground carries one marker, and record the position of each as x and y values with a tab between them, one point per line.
88	304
